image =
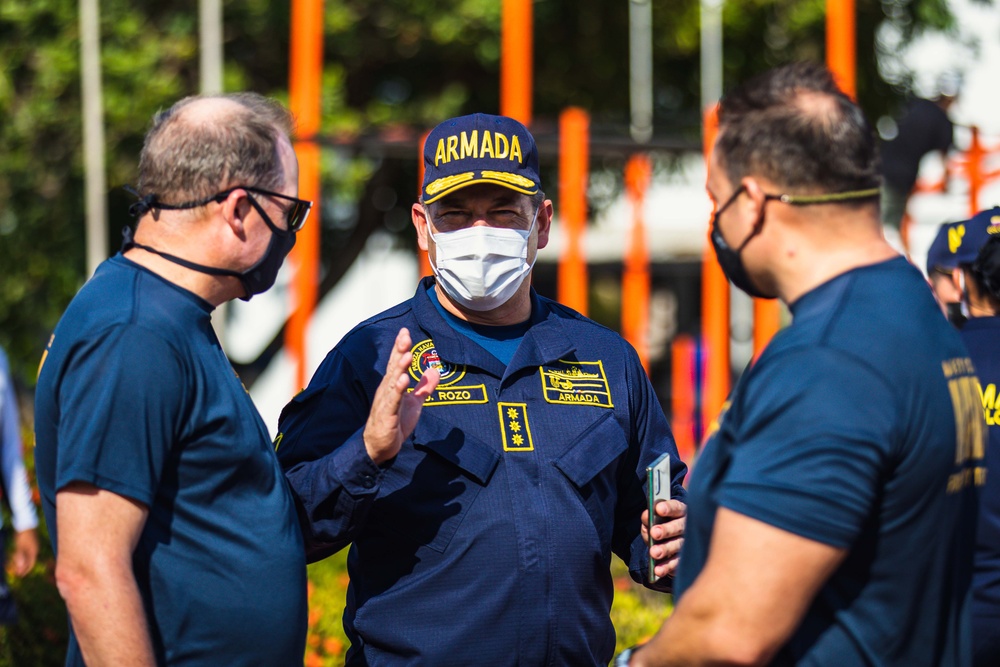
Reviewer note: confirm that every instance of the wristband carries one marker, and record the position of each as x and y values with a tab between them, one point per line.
625	656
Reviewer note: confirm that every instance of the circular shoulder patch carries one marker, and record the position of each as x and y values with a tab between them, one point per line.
425	357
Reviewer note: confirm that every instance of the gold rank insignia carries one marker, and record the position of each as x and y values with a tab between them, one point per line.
514	427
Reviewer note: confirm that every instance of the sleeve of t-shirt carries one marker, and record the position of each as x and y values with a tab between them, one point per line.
815	438
120	403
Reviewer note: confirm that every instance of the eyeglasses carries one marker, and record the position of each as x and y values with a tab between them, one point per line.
295	216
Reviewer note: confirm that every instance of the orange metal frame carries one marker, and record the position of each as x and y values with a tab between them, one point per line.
635	275
516	55
714	310
574	131
305	77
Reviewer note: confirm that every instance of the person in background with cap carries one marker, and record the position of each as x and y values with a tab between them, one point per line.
941	267
831	515
481	534
924	128
955	256
175	534
978	280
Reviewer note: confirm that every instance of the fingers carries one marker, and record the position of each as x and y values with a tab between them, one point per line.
668	537
25	552
428	383
672	509
667	567
382	432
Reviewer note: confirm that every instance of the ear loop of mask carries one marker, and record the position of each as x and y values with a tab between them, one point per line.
964	294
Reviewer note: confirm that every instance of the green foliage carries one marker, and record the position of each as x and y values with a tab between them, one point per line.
41	632
326	642
387	63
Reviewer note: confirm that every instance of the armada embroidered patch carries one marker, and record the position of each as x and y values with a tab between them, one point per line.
576	383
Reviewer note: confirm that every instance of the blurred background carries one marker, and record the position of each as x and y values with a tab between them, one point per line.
639	73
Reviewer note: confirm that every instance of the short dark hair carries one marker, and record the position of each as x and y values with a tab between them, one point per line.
986	269
795	127
185	159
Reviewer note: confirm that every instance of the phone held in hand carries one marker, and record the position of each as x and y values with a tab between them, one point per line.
657	488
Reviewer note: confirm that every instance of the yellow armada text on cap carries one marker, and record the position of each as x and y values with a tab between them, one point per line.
467	145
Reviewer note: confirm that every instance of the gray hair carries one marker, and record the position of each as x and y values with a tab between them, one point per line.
188	156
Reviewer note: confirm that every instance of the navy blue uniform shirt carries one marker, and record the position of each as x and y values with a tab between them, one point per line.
982	337
488	539
859	427
135	396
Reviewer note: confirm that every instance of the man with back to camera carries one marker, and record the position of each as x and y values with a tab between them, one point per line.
831	516
174	530
485	537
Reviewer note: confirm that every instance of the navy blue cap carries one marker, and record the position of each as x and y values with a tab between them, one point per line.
479	149
965	238
938	255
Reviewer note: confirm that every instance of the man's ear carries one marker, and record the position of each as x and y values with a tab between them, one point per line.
235	208
419	217
958	281
544	223
755	194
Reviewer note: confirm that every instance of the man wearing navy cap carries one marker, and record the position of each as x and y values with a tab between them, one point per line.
940	266
955	256
482	533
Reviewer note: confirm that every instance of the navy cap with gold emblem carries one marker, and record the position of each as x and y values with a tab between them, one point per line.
967	237
479	148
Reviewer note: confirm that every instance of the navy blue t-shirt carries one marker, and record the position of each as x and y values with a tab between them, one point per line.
859	427
982	337
135	396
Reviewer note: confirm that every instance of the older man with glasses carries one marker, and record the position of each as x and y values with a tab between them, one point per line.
175	533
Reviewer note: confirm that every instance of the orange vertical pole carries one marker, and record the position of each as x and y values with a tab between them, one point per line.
766	323
305	74
574	128
841	50
516	60
635	277
682	405
974	169
714	311
423	262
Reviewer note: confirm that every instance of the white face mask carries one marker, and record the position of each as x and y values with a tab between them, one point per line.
481	267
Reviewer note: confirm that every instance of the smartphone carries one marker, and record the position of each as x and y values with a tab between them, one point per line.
658	488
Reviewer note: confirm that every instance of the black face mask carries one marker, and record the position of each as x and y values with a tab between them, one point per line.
258	278
956	314
729	259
